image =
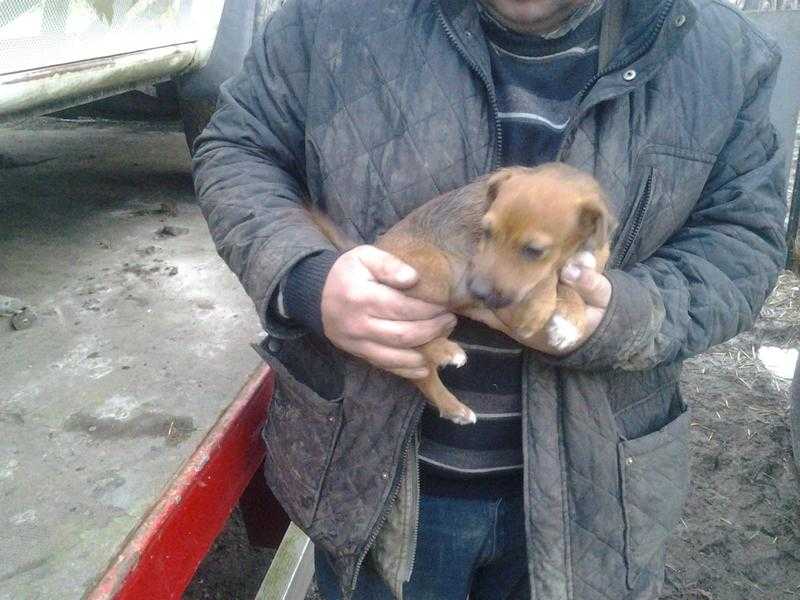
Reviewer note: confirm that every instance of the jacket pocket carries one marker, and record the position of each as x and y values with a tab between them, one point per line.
669	183
654	477
300	434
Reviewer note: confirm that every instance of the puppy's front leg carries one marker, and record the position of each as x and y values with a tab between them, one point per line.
566	327
529	317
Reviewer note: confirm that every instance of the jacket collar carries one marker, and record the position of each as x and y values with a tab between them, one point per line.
463	20
650	37
657	24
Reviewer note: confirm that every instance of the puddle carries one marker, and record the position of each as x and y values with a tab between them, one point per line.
171	428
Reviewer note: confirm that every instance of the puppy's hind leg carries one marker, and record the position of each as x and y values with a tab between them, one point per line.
442	352
448	405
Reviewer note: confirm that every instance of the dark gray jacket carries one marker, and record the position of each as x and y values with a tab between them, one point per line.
371	107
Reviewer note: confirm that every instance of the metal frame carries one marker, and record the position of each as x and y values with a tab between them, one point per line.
793	259
53	88
292	569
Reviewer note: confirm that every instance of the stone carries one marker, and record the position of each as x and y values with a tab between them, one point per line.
10	306
23	319
172	231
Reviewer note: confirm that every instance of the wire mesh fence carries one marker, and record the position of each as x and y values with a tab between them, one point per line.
760	5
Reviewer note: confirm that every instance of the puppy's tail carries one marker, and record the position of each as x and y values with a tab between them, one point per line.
331	231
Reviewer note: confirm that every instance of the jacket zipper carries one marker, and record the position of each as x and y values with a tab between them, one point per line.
498	147
611	67
415	530
638	220
392	497
498	130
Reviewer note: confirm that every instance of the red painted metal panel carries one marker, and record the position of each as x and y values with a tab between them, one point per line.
161	556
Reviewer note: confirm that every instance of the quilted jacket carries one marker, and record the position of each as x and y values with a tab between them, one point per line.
369	108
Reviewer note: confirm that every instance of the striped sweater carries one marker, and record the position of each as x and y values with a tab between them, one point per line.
536	80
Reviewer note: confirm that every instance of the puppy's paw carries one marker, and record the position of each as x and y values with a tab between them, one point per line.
584	260
463	417
561	333
458	359
442	353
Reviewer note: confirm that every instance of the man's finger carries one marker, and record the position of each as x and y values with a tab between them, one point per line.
410	334
387	269
387	303
592	286
593	317
420	373
388	358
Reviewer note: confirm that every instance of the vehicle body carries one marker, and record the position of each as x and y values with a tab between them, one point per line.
59	53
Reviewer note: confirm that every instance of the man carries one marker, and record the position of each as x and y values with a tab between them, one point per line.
570	482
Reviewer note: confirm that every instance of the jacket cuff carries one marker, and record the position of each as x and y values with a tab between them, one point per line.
302	289
621	333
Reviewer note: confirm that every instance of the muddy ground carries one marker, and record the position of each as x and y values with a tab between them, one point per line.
739	538
740	535
140	341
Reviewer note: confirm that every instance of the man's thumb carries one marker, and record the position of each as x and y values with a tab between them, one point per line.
592	286
388	269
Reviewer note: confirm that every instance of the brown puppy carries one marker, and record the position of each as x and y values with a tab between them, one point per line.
537	220
492	251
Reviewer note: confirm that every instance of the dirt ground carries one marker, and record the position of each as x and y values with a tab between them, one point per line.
739	538
740	535
233	569
140	341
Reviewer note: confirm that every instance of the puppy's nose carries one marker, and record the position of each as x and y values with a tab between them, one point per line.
482	288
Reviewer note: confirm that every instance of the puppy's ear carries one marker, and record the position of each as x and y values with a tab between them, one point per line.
596	223
496	179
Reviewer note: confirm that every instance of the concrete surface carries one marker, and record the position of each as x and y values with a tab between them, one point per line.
140	343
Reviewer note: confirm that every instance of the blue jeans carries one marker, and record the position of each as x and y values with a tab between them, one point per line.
472	547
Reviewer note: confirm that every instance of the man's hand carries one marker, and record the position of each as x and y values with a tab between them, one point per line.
595	289
365	313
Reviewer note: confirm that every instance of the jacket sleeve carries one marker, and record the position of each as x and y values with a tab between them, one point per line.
249	164
708	282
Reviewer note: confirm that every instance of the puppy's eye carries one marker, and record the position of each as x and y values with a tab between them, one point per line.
532	252
487	233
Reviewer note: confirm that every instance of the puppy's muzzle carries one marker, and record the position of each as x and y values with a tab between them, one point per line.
482	288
